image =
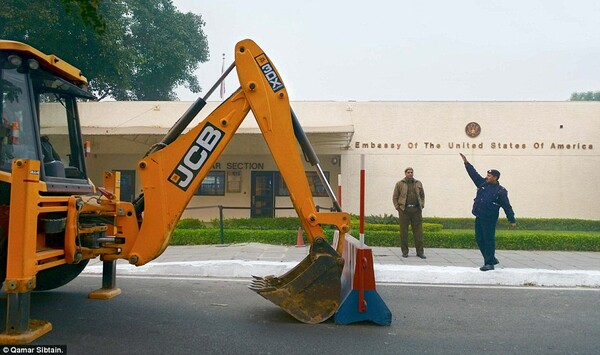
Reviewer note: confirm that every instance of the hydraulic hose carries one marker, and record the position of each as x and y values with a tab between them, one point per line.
313	159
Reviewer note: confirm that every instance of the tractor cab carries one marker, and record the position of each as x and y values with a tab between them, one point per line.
39	119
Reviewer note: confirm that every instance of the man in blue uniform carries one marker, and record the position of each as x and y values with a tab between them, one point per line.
490	197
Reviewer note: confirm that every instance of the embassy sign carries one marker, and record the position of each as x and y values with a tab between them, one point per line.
579	146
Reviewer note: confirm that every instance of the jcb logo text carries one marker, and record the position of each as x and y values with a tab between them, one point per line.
196	156
269	73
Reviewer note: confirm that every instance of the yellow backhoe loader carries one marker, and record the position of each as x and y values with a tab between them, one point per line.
53	220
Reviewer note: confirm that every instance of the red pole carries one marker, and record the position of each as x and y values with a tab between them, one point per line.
340	190
362	199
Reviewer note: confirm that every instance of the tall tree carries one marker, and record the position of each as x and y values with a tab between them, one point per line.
585	96
88	11
145	51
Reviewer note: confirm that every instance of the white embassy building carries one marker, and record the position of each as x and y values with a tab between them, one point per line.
547	152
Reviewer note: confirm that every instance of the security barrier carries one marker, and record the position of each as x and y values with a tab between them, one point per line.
360	300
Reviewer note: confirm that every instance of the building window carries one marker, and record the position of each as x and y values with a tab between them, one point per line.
316	187
213	184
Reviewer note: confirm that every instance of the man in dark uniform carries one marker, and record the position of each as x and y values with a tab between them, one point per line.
490	197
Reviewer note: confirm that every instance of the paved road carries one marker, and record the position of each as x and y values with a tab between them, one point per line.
189	315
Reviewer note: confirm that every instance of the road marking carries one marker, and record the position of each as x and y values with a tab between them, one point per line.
180	278
521	287
245	280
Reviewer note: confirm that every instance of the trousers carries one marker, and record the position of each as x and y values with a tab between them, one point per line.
414	217
485	236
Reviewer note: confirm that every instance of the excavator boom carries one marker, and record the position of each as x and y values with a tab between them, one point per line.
311	291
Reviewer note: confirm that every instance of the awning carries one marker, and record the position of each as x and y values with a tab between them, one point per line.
331	136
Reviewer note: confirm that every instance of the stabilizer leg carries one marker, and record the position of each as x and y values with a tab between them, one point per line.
109	282
21	255
19	328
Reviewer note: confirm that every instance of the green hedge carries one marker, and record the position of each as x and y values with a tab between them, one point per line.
233	236
190	223
531	233
505	240
554	224
292	223
427	227
460	239
562	224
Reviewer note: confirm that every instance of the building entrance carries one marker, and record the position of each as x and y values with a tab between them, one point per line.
263	194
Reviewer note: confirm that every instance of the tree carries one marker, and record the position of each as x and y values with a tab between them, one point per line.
88	11
145	51
585	96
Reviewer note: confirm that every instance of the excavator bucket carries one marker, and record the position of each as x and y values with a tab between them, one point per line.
310	292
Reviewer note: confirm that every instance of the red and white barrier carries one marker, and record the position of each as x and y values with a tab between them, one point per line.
359	299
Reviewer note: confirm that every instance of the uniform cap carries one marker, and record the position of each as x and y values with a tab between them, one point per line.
494	172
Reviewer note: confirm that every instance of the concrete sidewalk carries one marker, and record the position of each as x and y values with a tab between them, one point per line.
442	266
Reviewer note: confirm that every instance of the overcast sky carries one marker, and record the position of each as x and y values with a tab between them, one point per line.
425	50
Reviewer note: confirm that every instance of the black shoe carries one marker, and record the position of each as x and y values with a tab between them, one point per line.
486	267
422	256
405	255
496	261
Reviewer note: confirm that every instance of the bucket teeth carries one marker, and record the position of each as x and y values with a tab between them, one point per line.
260	284
259	289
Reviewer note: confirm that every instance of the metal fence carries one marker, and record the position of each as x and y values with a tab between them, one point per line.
221	208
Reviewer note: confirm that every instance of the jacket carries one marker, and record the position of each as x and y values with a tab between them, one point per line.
489	198
401	191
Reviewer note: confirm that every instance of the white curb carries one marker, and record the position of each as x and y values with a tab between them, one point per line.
384	273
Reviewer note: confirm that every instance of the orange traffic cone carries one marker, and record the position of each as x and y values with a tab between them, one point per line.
300	240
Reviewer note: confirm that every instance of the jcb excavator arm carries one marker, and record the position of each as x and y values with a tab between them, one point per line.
170	176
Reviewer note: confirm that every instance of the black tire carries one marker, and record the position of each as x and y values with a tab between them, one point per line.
58	276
